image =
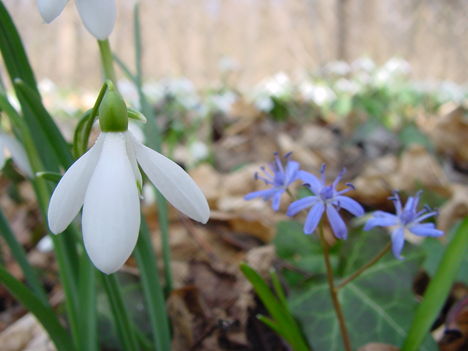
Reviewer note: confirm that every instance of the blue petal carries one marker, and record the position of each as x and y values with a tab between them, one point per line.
350	205
381	219
409	206
276	199
313	218
398	240
301	204
426	229
308	178
337	224
291	172
264	194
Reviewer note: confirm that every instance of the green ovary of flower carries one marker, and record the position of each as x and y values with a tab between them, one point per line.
113	116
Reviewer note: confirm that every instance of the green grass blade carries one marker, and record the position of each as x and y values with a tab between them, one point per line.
20	257
33	101
438	289
121	316
87	298
13	51
152	289
270	323
281	315
43	313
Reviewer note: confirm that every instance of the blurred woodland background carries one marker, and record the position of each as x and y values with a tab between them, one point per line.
261	37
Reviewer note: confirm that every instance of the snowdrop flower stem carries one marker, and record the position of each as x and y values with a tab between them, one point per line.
107	60
334	291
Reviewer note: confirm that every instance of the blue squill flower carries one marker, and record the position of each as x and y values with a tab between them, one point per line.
405	219
279	177
325	199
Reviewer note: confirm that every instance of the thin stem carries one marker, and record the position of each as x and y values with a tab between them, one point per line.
361	270
333	292
107	60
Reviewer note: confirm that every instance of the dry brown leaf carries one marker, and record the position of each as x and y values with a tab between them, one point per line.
455	208
26	334
418	167
450	134
373	186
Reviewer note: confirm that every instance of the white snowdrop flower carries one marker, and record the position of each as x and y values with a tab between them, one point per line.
319	94
105	181
10	147
278	85
224	101
263	103
340	68
98	16
347	86
364	64
45	244
136	131
198	150
397	66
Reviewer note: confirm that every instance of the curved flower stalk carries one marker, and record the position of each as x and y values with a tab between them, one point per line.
279	177
9	146
326	199
407	219
106	182
98	16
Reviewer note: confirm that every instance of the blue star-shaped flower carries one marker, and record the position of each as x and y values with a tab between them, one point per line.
407	218
326	199
279	177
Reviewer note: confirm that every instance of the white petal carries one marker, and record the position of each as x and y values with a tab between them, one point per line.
17	154
50	9
132	158
69	194
111	211
174	183
98	16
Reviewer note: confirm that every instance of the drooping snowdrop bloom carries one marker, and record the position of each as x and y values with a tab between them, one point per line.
279	177
10	147
325	199
407	219
98	16
105	182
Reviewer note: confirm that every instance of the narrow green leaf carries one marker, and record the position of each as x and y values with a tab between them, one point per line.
13	51
53	177
281	316
20	257
271	323
121	316
88	314
53	135
154	296
438	289
43	313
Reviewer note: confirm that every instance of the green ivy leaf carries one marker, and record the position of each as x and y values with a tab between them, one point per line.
378	305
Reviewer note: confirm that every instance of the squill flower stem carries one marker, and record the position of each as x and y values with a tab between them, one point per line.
363	268
334	291
107	60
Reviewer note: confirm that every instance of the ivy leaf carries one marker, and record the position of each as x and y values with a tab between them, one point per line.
301	251
378	305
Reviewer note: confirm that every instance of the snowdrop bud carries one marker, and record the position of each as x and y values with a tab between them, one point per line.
113	116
